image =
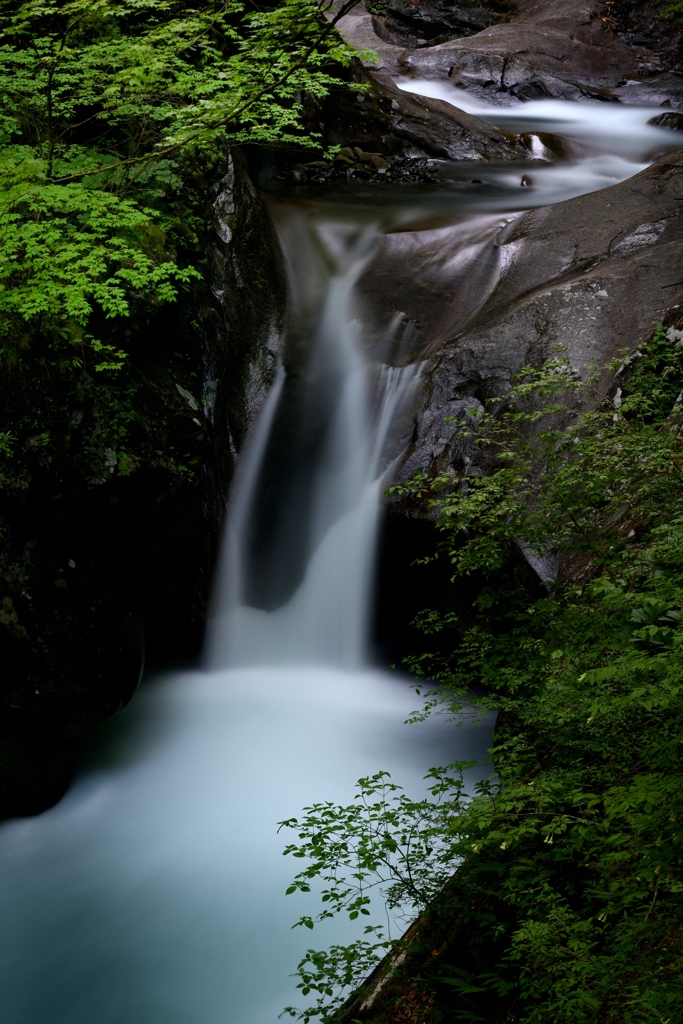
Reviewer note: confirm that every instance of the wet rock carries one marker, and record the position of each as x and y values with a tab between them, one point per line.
560	53
384	121
543	146
564	49
672	120
593	275
433	21
241	314
375	160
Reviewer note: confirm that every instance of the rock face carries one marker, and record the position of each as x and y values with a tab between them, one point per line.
393	129
565	49
673	120
109	520
417	24
640	23
593	275
242	314
397	123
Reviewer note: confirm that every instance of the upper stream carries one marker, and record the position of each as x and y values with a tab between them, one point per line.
154	893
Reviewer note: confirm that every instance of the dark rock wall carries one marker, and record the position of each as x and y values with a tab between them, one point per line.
415	23
394	122
242	321
643	23
112	503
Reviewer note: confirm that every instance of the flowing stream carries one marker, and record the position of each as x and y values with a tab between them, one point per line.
154	892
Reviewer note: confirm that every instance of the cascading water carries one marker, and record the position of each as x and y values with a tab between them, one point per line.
326	619
154	892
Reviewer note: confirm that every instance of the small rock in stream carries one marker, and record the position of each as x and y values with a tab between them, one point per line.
672	119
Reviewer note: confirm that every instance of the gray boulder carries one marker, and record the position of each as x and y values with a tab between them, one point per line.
593	275
555	48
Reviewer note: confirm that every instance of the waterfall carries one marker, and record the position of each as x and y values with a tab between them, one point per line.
154	893
333	493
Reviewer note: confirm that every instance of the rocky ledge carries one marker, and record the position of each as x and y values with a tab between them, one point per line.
562	49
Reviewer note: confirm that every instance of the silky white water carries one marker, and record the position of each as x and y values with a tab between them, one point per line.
612	141
608	128
326	619
154	892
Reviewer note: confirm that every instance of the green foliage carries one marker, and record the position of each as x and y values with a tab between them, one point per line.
6	444
561	475
384	842
66	249
106	108
567	900
672	10
115	119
